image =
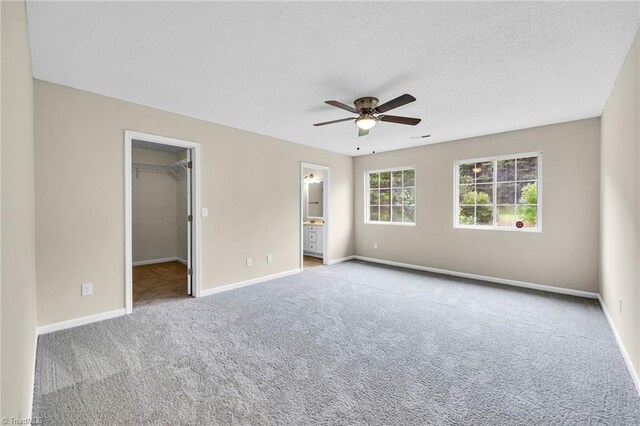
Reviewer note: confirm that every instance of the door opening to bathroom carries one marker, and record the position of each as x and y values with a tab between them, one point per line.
314	196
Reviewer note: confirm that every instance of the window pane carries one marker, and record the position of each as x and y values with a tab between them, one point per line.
385	213
374	197
501	193
409	195
373	213
396	179
385	180
390	192
396	197
374	179
506	170
527	193
528	215
396	213
506	193
385	197
409	177
465	217
467	195
409	214
466	173
484	171
527	168
507	216
484	215
484	194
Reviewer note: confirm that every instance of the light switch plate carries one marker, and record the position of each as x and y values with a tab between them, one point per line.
249	262
205	212
269	258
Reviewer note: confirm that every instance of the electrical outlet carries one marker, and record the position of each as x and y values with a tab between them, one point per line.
269	258
620	306
249	262
86	289
375	246
205	212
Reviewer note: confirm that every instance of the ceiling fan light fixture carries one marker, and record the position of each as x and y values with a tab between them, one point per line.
366	122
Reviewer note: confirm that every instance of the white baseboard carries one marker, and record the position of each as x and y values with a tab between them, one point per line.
514	283
154	261
49	328
342	259
184	262
625	355
33	377
210	291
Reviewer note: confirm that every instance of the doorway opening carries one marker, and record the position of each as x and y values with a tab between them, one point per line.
314	213
161	230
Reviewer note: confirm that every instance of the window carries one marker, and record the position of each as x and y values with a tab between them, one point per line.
499	193
391	196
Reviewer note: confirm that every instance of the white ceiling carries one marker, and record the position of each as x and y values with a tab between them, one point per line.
475	67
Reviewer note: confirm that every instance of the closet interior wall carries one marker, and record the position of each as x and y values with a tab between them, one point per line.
159	201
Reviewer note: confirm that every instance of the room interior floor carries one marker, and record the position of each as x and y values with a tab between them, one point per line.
310	261
159	283
352	343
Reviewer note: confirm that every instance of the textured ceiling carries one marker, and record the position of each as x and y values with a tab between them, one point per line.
475	67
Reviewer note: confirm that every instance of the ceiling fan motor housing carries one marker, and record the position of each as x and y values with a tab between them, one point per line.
366	105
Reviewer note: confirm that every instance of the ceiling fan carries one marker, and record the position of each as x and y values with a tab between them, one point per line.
369	112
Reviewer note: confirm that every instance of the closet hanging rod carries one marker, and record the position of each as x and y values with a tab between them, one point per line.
177	165
171	169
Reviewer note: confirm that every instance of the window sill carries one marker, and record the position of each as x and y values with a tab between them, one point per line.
501	229
390	223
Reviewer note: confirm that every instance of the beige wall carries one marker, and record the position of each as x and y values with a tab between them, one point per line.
18	251
620	204
564	254
154	199
250	183
1	118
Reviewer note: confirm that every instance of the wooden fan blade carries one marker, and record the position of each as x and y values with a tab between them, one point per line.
363	132
400	120
335	121
395	103
343	106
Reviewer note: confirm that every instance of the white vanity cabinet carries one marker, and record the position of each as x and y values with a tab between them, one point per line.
312	240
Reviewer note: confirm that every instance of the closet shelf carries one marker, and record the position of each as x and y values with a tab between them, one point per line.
172	169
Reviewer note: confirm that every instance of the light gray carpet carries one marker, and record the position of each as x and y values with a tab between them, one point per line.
352	343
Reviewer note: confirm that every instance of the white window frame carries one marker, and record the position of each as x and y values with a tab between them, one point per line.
495	159
367	194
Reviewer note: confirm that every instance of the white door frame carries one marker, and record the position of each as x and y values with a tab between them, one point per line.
190	227
325	205
196	258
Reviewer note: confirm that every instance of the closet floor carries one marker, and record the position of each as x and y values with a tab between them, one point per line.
310	261
159	283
